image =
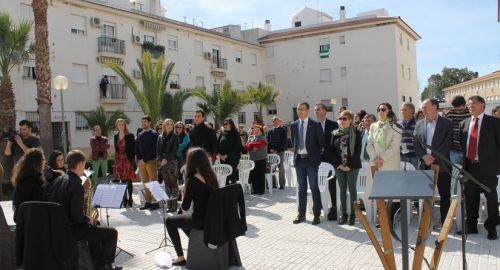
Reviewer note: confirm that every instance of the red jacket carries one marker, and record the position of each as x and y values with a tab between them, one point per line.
99	144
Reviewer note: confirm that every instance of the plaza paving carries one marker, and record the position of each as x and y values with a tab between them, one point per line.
273	242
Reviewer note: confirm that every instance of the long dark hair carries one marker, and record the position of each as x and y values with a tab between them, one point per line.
53	158
231	124
32	160
197	161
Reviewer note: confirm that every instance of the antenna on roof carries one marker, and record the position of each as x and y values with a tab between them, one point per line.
185	21
193	21
201	24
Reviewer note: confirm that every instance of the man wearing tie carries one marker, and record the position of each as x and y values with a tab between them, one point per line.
328	126
480	138
437	132
308	141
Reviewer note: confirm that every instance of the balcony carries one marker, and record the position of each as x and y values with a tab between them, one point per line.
219	63
111	46
156	51
115	93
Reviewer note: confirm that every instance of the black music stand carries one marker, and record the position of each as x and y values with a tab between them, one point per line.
403	185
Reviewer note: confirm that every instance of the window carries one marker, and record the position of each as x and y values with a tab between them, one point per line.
148	38
410	99
409	74
172	43
400	38
345	102
270	52
324	44
408	44
80	73
404	98
298	24
27	13
242	118
343	71
29	72
271	110
174	81
402	71
325	75
240	86
200	82
271	79
198	48
253	59
78	26
238	56
341	40
108	30
256	116
80	122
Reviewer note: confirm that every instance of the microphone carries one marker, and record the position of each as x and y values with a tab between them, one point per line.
390	116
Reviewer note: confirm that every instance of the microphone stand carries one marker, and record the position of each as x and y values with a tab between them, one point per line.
464	176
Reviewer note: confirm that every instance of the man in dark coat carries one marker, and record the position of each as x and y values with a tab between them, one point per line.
203	136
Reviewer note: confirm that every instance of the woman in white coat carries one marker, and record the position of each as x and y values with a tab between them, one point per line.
383	142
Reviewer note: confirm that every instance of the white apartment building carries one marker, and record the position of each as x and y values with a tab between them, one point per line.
358	61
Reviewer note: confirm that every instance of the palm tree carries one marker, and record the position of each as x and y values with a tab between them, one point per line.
173	104
221	105
264	95
106	120
154	82
14	50
43	73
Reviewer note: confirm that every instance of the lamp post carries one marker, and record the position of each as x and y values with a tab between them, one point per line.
61	83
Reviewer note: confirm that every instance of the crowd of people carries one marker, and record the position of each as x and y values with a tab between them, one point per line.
464	134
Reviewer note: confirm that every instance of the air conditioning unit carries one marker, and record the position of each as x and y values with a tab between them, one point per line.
207	55
95	21
137	73
136	39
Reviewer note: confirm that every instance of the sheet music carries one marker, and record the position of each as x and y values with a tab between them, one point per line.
157	191
109	196
88	173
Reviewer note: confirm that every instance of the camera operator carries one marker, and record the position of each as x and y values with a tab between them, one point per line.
19	143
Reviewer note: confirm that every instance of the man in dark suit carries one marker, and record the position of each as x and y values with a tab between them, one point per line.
308	141
480	139
437	132
203	136
328	126
67	190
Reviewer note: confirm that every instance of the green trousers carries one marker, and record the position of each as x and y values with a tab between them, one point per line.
347	180
102	164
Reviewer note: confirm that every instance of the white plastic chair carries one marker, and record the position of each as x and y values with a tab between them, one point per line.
409	166
244	169
323	172
245	157
288	164
222	171
183	172
273	160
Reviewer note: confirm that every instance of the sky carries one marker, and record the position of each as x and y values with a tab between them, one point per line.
454	33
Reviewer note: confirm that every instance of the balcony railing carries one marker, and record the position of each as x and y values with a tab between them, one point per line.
112	45
218	62
114	92
156	51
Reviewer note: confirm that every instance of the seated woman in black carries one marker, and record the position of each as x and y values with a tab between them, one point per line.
55	167
201	181
27	179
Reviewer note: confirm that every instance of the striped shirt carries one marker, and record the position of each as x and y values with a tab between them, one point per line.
406	139
457	116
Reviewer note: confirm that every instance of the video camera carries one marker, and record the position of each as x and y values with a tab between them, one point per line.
10	134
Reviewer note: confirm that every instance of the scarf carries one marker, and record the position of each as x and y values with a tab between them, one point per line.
380	134
351	132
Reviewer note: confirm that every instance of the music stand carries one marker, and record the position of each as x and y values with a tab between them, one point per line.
161	197
403	186
110	196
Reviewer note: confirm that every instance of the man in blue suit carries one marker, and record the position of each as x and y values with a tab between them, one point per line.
307	141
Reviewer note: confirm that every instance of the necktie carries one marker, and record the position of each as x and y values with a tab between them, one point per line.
472	152
301	135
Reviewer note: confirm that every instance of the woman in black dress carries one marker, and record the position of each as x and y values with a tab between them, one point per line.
201	181
229	148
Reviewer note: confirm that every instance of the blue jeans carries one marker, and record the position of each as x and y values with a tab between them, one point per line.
305	170
456	157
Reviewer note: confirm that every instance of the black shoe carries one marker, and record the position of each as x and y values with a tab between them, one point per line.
342	220
109	267
146	206
183	262
129	202
154	206
299	219
332	214
352	218
492	234
282	187
470	230
315	220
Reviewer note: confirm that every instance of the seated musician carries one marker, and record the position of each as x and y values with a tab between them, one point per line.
68	191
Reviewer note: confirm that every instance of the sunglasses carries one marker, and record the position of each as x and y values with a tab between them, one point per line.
382	110
225	124
343	118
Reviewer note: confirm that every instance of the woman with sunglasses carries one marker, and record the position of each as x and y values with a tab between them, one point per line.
383	142
229	148
180	130
166	156
346	148
257	149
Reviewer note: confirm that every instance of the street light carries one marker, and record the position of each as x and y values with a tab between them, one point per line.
61	83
